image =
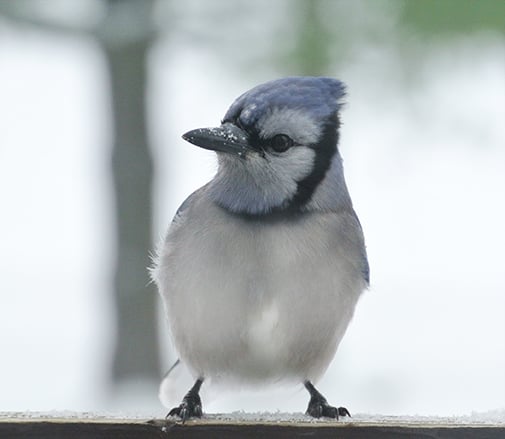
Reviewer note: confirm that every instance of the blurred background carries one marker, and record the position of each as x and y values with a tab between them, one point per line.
94	96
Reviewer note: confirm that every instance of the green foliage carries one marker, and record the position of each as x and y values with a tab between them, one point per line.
454	16
310	55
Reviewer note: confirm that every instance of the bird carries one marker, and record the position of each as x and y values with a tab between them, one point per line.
262	267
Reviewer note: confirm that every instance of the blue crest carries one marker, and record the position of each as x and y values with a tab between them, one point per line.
321	96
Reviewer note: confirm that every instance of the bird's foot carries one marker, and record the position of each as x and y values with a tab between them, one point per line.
189	408
319	407
191	405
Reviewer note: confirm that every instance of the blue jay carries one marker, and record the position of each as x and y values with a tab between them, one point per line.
262	267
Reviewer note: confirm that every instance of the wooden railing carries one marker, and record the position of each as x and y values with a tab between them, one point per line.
16	426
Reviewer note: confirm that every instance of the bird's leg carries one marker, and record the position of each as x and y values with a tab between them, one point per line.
191	405
318	406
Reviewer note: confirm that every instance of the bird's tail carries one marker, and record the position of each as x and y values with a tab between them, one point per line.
175	384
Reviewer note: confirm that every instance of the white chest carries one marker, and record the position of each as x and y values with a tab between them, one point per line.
259	301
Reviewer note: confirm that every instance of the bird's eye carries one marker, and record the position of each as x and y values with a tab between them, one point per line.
281	142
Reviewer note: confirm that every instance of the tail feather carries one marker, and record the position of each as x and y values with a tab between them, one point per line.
175	384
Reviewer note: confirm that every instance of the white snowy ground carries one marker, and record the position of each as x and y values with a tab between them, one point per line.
425	165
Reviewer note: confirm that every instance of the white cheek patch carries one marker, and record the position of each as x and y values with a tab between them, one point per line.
293	165
259	184
295	123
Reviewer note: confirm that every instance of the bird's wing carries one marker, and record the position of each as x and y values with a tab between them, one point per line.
365	267
184	207
354	232
186	204
177	221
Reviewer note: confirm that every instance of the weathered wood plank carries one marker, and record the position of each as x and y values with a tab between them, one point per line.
72	428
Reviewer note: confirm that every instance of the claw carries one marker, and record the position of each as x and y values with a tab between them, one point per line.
319	407
187	409
191	405
342	411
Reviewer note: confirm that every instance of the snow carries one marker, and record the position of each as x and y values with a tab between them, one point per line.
494	418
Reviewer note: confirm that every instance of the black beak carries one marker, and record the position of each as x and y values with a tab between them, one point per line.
227	138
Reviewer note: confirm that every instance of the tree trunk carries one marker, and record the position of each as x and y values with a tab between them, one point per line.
136	352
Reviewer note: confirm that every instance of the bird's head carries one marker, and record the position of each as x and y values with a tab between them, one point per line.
277	148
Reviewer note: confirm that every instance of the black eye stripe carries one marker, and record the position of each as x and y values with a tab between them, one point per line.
278	143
